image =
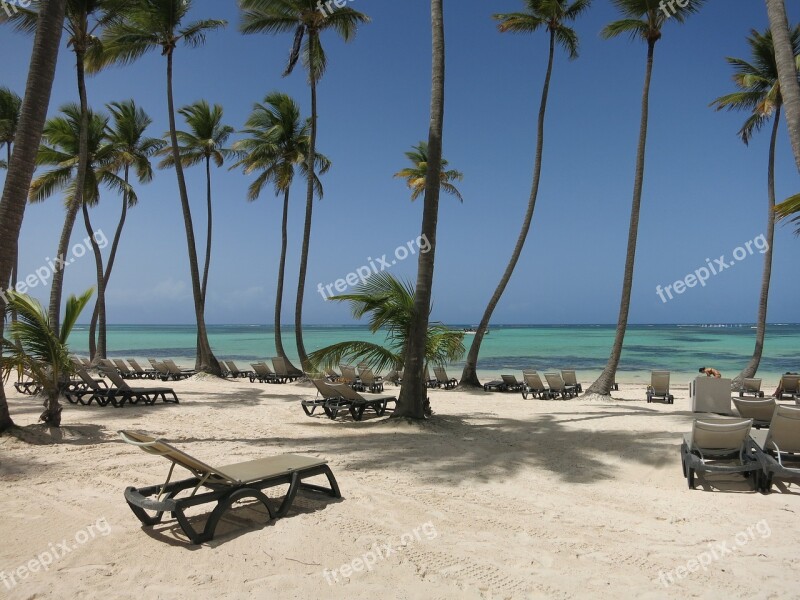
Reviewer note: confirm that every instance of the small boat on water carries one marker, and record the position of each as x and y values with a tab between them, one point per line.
472	331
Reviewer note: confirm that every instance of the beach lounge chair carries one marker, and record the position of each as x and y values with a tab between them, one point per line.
86	389
532	384
121	392
443	380
495	385
124	370
510	383
282	371
325	394
332	375
349	376
143	373
161	370
26	385
235	371
558	387
659	387
430	382
720	445
760	411
177	372
225	485
370	381
356	402
780	445
571	379
263	373
87	364
750	386
789	386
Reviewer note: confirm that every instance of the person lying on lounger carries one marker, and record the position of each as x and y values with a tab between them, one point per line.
710	372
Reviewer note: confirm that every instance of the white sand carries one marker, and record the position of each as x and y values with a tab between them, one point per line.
522	499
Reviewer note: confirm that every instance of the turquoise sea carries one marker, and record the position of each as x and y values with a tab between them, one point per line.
681	349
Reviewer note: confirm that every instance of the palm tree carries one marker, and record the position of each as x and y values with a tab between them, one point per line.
82	21
390	304
131	150
23	163
790	208
61	152
760	95
41	350
307	22
552	16
10	105
145	26
412	399
277	143
787	66
415	175
643	20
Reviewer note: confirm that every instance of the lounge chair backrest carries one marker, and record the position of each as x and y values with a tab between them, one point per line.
160	367
331	373
280	366
510	380
759	410
569	376
427	374
659	381
532	380
231	366
441	374
751	385
86	363
87	379
75	361
173	368
720	435
262	370
348	373
136	366
555	381
789	383
325	389
784	430
116	380
367	376
120	364
345	391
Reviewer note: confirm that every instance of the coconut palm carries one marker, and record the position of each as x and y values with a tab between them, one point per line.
643	20
10	105
23	163
146	26
389	303
132	150
790	209
760	95
552	16
416	174
42	350
786	61
277	144
412	399
60	151
304	19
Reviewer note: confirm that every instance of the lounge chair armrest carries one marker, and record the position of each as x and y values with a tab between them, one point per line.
133	497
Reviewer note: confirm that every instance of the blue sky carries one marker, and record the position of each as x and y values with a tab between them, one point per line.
704	194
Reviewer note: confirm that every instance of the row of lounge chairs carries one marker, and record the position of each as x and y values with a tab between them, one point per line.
118	394
262	372
334	398
563	385
165	369
728	445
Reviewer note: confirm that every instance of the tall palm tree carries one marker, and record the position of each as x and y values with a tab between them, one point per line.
787	66
132	149
760	95
412	399
23	162
643	20
307	22
145	26
416	174
552	16
390	304
277	143
41	349
61	152
10	106
83	20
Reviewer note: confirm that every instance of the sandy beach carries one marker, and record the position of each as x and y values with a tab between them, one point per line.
496	497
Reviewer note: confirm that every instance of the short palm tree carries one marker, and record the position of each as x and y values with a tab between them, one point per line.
643	20
60	151
760	95
146	26
304	19
276	145
41	350
553	17
415	175
132	149
389	303
44	56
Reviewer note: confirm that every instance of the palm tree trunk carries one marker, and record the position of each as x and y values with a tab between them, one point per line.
205	357
100	350
412	400
301	282
606	380
761	326
80	180
787	71
29	134
469	376
279	294
112	255
208	240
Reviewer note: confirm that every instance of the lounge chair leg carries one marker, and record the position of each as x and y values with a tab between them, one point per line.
290	494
